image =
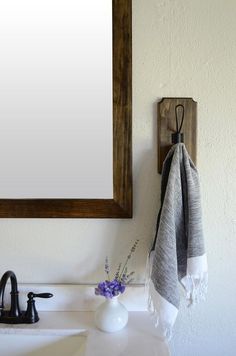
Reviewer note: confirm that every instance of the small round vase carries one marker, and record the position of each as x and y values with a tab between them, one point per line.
111	315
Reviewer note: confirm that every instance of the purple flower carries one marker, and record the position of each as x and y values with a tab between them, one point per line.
110	289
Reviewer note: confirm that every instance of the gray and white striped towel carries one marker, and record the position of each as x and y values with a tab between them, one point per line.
178	253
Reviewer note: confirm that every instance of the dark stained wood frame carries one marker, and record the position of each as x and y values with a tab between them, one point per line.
121	204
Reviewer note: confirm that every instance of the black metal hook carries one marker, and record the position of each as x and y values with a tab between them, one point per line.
178	137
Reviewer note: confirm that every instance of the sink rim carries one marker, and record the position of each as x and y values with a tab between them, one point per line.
12	330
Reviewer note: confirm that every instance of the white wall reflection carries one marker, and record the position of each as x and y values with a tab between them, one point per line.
55	99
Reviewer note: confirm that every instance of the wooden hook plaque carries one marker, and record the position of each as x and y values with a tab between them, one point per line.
167	126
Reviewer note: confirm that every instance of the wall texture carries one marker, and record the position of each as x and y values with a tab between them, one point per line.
180	48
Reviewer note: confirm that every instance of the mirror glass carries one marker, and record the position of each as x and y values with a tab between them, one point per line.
56	99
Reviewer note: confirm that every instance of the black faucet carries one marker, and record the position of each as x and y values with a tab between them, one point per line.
15	315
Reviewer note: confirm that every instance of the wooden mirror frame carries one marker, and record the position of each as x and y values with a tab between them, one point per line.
121	204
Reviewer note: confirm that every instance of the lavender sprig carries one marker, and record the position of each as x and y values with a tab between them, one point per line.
111	288
107	268
133	248
118	272
129	277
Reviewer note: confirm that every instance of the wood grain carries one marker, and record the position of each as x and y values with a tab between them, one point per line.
121	204
122	104
167	125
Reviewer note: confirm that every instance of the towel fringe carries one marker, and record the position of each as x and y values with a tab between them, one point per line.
148	272
195	287
165	330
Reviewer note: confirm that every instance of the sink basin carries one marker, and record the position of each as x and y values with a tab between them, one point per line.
46	344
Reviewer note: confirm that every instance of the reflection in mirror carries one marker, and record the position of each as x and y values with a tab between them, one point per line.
56	99
65	108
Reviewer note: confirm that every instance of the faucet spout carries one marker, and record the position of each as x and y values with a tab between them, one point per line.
15	315
15	309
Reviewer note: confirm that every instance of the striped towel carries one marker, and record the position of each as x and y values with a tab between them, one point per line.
178	253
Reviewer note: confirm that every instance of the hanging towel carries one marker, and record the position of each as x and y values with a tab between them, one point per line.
178	253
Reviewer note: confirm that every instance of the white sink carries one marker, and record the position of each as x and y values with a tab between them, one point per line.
46	344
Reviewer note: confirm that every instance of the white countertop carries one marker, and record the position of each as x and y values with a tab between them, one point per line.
138	338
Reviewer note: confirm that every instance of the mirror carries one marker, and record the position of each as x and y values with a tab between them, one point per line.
65	109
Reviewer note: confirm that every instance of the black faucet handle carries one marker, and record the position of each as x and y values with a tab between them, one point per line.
31	314
32	295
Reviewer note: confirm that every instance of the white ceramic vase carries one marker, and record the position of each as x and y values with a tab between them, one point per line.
111	315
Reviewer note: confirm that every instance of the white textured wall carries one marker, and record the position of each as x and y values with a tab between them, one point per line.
181	48
188	48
